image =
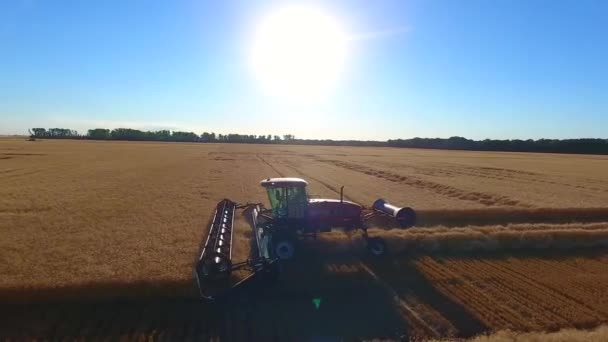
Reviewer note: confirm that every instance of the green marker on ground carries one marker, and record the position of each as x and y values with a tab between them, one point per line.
316	302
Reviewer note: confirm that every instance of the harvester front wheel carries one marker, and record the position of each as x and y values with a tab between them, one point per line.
284	246
376	246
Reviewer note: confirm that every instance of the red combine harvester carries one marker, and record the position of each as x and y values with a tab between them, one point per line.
292	216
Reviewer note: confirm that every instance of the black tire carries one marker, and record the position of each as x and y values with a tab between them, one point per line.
284	246
376	247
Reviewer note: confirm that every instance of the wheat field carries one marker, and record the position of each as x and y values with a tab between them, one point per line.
504	241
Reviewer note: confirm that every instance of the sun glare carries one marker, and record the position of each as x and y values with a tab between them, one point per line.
298	53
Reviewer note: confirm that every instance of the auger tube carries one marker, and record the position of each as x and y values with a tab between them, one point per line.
406	217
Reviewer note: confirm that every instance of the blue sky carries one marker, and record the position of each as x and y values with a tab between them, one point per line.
473	68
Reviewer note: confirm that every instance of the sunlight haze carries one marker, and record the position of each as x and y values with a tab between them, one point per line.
315	69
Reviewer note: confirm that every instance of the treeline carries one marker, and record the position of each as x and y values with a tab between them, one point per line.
53	133
584	146
162	135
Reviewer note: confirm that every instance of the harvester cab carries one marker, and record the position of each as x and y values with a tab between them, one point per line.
287	196
292	215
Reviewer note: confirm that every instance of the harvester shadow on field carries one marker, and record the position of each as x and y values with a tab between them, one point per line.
352	305
137	320
310	301
396	285
320	294
356	299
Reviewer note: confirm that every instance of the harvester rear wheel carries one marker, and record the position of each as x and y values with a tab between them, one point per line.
376	246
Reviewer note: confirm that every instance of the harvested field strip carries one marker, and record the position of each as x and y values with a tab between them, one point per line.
540	313
517	297
590	300
408	311
558	308
433	309
584	288
479	303
544	300
596	266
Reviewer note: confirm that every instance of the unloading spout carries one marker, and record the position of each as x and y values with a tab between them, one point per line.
406	217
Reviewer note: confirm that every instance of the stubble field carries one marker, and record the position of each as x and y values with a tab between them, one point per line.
504	241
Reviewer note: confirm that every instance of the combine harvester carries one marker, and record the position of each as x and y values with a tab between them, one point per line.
292	216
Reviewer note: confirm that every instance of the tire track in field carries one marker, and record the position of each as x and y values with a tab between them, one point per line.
409	311
462	291
421	324
12	173
426	185
527	178
532	304
269	165
555	294
500	174
327	185
29	210
573	292
444	315
584	290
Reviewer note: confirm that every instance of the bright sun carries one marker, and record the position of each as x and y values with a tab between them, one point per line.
298	53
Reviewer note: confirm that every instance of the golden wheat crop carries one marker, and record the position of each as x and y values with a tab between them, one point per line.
106	219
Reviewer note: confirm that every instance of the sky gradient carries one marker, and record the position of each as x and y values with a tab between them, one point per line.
500	69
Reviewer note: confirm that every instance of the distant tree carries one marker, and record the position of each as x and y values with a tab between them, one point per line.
39	132
163	135
206	137
184	136
98	134
127	134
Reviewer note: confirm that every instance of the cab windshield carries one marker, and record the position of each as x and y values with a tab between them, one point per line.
287	202
278	202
